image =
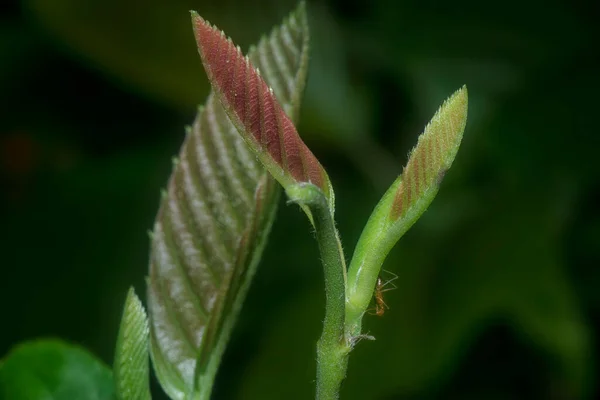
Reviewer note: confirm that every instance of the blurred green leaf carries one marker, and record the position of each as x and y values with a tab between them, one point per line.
212	227
149	47
336	112
53	370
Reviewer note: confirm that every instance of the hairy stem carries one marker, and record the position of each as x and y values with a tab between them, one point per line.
332	348
332	352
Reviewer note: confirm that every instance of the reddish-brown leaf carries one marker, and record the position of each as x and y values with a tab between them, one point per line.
255	111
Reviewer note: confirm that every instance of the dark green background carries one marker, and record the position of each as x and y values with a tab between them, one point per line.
499	282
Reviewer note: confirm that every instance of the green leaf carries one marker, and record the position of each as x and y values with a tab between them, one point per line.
254	110
404	202
53	370
131	358
212	226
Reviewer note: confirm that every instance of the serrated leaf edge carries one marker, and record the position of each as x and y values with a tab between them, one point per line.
131	369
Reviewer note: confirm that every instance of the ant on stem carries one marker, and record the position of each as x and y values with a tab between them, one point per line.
380	305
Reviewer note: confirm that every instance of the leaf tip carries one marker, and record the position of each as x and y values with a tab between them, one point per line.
433	155
133	302
456	108
131	358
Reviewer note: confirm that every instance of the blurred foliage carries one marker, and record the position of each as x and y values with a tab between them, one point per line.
498	290
51	369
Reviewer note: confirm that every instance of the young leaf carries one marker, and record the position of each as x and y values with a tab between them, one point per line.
404	202
212	226
131	359
52	369
252	107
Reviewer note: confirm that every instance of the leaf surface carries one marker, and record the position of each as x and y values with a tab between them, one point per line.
212	226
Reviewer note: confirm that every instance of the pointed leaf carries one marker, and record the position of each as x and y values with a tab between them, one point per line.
212	226
54	370
254	110
131	372
404	202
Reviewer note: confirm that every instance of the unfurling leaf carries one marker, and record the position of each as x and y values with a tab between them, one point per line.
405	201
212	226
131	372
254	110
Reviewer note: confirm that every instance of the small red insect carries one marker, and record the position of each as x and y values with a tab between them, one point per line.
380	305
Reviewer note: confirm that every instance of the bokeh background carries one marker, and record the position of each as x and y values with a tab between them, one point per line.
499	283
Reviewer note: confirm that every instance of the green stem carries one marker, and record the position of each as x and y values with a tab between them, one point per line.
332	348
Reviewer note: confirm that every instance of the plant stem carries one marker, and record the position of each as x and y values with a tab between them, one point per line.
332	348
332	351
